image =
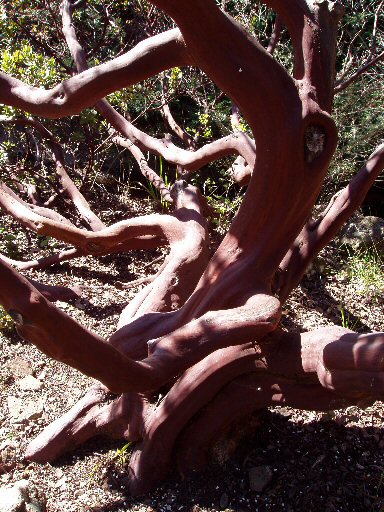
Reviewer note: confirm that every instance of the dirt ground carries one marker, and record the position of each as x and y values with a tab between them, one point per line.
313	461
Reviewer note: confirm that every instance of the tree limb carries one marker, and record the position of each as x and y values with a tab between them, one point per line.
149	57
81	204
315	235
361	70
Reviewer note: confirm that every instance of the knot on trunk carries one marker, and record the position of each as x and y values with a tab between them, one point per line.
314	142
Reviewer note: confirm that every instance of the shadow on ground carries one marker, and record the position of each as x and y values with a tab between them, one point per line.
327	464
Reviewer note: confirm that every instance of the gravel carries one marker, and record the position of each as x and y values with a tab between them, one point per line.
308	461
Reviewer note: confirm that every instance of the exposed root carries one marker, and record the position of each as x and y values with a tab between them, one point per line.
69	430
121	418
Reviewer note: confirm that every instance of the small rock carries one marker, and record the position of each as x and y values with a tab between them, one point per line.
33	507
42	375
14	499
285	411
20	368
364	233
59	473
21	411
5	478
260	477
62	483
29	383
224	500
8	443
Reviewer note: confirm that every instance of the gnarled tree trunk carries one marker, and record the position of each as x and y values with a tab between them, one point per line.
208	331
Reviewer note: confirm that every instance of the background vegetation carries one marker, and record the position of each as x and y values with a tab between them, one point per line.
32	48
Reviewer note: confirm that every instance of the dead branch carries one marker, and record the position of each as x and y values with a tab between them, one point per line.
66	183
360	71
103	106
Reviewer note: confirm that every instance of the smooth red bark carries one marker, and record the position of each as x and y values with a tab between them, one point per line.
217	335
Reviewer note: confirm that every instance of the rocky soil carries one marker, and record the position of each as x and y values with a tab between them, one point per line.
285	460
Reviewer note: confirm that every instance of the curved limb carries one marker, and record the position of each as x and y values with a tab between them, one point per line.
90	242
151	459
321	370
39	210
184	346
62	338
182	268
190	161
138	140
137	243
229	53
47	261
149	57
123	415
315	235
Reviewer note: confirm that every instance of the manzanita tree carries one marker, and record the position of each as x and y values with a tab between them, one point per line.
206	331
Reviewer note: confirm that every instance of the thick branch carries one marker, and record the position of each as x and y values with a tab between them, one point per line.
321	370
313	25
177	277
121	418
151	459
237	63
149	57
63	339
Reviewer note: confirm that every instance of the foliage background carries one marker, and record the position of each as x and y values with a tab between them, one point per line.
33	49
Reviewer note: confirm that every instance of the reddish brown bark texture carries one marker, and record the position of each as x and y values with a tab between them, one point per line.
211	324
